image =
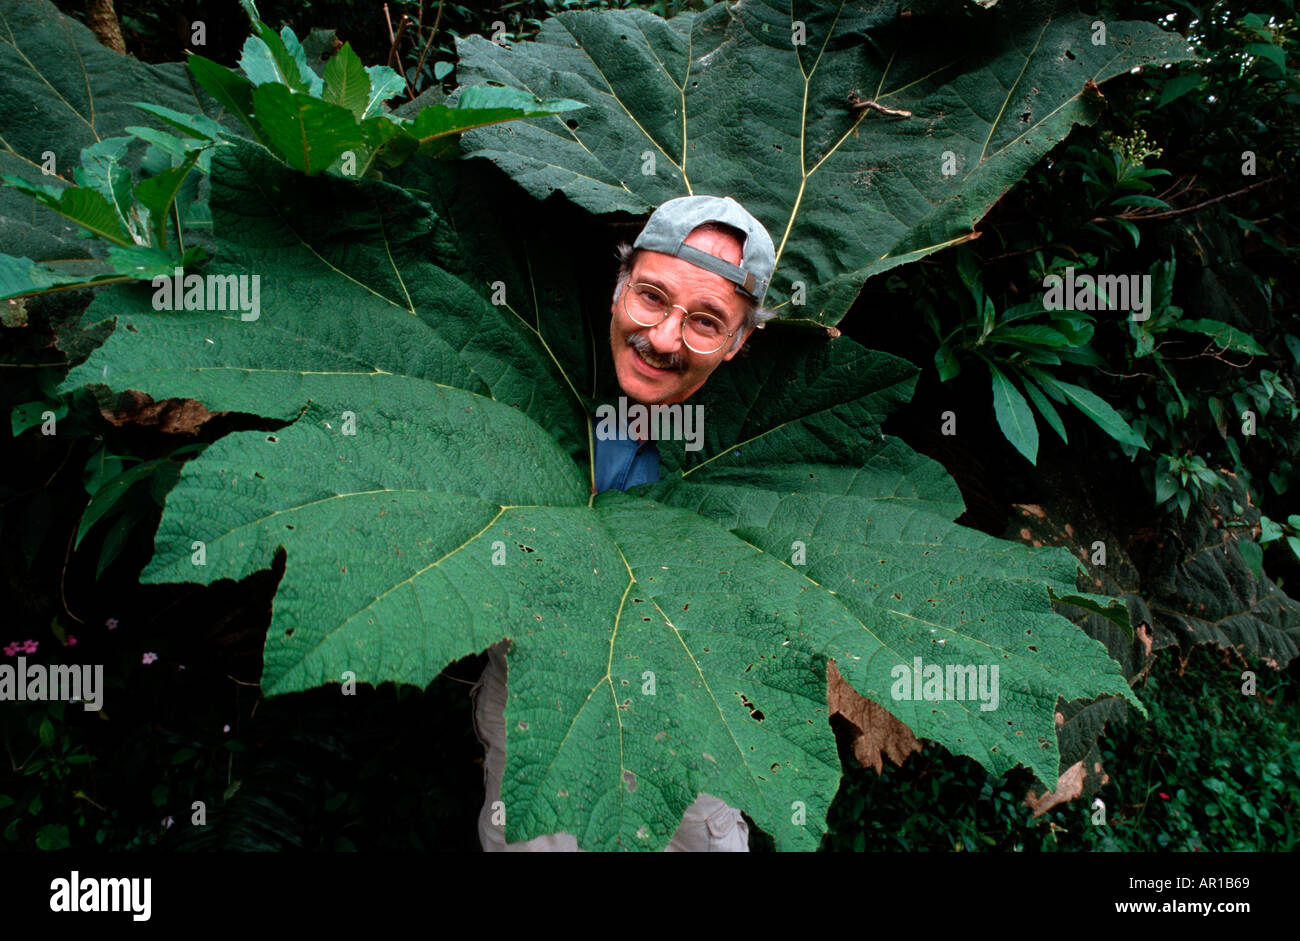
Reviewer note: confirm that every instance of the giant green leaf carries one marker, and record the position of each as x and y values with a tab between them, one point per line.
753	100
431	492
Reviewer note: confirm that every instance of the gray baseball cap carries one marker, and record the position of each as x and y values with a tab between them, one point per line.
669	225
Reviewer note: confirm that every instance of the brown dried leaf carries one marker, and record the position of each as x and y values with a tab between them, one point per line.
170	416
1068	787
876	732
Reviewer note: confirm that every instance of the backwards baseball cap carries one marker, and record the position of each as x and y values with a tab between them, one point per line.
669	225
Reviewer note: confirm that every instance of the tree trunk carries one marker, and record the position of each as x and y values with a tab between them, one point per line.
102	20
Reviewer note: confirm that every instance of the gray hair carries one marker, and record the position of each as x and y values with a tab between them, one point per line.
755	314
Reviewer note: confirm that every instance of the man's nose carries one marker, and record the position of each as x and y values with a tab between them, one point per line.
666	336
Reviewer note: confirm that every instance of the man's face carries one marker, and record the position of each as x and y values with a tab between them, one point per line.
677	371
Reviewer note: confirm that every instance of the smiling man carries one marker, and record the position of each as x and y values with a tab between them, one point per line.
689	293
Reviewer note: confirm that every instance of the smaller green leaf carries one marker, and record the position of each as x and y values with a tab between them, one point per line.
308	133
22	277
190	124
384	84
52	836
346	82
1166	486
159	192
86	207
947	363
31	414
299	56
479	106
232	90
1130	228
1031	335
110	493
442	69
1045	408
1294	543
1253	554
176	149
389	141
144	263
265	60
1014	415
1108	606
1021	311
1040	356
1098	410
102	170
1266	50
127	525
1175	88
1224	335
1147	202
1043	381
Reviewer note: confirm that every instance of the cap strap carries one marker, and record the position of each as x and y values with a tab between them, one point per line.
744	280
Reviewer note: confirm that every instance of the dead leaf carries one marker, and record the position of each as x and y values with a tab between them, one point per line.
1143	632
1068	787
876	732
170	416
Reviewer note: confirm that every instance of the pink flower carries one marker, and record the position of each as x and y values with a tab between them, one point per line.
111	624
11	650
70	642
30	646
148	658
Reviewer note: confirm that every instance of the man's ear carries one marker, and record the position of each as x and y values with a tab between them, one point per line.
744	335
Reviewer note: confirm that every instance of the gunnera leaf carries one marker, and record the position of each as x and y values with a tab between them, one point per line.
431	490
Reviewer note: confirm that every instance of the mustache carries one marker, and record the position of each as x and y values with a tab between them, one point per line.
642	345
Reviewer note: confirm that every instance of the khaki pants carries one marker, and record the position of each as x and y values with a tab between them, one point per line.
708	826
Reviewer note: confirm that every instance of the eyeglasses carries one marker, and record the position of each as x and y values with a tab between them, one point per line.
647	306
